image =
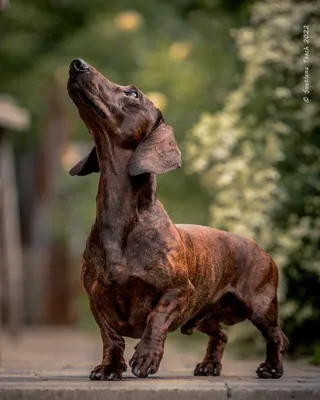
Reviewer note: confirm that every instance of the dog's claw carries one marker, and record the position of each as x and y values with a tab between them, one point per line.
136	371
108	372
265	371
96	376
208	368
149	371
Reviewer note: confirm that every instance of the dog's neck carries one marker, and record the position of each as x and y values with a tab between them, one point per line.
121	199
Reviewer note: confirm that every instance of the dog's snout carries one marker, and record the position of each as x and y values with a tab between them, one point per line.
78	65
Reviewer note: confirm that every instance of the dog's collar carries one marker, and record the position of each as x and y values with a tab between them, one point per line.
155	126
158	123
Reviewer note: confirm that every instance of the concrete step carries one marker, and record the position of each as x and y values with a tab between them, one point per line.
55	365
166	387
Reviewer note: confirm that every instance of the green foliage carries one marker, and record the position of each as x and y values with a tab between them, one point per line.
259	156
180	53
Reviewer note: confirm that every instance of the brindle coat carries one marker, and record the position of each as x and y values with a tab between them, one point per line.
144	275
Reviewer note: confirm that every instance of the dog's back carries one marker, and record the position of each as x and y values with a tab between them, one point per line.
229	252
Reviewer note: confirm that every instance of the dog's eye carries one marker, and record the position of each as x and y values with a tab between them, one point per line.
131	93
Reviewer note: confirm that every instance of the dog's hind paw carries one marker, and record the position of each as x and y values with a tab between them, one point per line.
108	372
208	368
267	371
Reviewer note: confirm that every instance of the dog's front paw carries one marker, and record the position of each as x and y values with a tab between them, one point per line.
145	360
208	368
108	371
267	371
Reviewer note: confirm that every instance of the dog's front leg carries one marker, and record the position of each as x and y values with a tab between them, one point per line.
149	351
113	364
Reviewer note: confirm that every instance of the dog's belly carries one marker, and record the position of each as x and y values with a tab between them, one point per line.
228	309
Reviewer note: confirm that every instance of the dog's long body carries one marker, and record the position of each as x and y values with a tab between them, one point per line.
218	265
144	275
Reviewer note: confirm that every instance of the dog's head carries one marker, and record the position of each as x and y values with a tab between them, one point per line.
124	116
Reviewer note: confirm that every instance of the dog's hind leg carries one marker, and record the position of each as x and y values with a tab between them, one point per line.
211	364
265	318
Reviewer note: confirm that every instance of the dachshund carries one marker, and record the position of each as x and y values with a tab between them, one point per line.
144	275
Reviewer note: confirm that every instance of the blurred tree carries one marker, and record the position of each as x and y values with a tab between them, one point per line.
259	156
180	53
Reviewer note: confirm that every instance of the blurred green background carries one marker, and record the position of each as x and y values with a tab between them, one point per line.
229	77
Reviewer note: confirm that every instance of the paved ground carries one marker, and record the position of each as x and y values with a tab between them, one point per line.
54	364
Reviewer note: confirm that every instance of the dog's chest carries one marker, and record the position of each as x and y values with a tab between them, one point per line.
125	307
126	284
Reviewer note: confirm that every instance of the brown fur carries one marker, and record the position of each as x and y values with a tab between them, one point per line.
144	275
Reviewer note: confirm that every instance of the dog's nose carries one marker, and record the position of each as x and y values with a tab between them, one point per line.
78	65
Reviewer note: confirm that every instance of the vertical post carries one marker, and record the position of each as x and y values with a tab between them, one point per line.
1	254
49	270
11	257
4	4
59	293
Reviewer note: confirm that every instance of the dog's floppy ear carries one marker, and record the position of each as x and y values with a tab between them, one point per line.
157	153
87	165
